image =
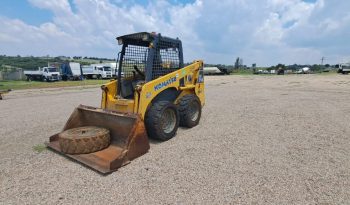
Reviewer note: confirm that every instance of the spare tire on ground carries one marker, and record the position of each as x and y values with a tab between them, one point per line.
84	140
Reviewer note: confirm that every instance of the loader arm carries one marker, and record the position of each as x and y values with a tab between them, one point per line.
186	80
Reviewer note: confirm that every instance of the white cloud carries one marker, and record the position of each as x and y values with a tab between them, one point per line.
264	32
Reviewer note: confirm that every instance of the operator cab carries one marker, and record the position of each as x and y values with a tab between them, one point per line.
145	57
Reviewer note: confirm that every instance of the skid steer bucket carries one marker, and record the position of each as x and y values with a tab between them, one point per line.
127	134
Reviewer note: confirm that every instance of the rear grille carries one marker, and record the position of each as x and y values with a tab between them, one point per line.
166	59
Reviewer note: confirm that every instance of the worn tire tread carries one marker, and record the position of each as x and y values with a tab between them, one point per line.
70	144
153	120
185	120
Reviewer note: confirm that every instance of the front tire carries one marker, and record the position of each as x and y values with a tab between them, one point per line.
162	120
190	110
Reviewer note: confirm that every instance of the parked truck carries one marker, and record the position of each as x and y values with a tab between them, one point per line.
97	71
344	68
115	68
71	71
46	74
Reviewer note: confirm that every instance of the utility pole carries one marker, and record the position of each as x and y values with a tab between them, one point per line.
322	59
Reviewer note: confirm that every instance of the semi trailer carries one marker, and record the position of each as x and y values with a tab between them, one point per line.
71	71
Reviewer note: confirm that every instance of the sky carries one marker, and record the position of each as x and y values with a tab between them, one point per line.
265	32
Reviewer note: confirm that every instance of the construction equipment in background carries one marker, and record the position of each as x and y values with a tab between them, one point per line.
155	95
225	71
2	92
280	71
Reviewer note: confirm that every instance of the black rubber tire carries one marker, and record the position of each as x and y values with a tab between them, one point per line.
187	117
155	120
84	140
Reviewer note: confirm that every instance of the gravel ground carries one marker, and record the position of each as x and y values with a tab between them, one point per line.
261	140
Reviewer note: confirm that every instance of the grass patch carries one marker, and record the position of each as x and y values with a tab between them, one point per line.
242	72
39	148
19	84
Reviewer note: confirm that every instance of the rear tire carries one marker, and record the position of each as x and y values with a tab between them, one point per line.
190	110
162	120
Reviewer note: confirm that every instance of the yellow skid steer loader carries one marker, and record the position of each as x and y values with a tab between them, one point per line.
153	95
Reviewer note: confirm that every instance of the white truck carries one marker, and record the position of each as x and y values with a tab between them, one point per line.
47	74
97	71
115	69
344	68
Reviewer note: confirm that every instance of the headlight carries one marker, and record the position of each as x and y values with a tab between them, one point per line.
145	37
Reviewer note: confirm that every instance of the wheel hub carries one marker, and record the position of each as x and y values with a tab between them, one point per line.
169	120
194	110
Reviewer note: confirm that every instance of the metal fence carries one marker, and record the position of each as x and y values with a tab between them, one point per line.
12	75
